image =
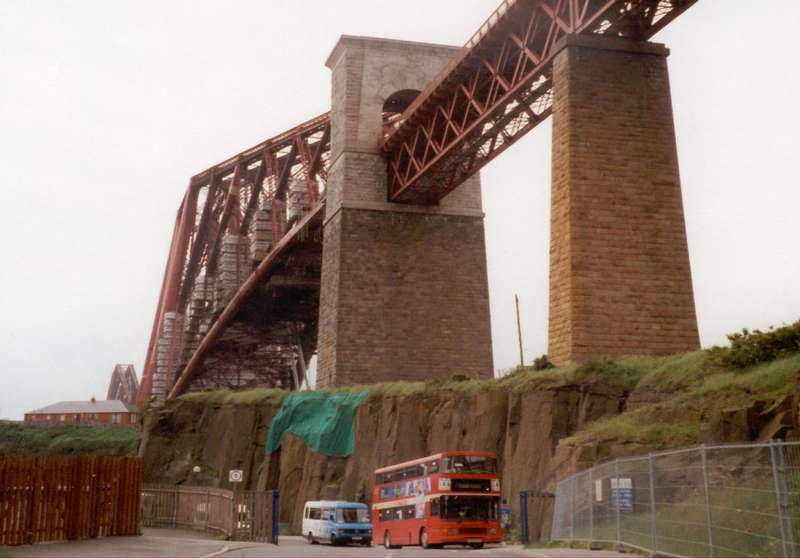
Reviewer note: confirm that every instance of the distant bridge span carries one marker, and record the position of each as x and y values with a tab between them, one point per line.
240	300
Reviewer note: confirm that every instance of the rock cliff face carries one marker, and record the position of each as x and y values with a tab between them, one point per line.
529	429
522	427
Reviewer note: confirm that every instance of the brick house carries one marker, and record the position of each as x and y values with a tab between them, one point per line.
91	411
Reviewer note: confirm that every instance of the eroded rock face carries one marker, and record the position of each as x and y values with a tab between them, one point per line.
183	434
522	428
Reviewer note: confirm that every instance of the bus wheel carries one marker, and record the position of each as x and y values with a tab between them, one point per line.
423	539
367	543
387	540
310	538
476	545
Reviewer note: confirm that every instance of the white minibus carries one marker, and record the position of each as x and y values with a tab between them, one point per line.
337	522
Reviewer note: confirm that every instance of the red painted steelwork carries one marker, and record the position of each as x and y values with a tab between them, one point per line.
241	296
499	87
213	206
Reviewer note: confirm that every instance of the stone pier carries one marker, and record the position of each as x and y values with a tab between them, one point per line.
620	282
404	292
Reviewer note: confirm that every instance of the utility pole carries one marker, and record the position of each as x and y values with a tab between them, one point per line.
519	332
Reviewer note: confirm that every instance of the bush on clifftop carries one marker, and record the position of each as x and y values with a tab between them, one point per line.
748	348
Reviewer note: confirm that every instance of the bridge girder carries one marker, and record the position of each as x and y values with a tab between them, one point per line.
498	88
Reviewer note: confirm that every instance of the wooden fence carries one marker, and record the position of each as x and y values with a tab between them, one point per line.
52	498
240	515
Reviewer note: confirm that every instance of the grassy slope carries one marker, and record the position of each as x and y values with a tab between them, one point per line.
691	387
32	439
698	388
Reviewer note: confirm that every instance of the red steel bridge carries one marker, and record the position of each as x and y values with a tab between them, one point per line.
240	295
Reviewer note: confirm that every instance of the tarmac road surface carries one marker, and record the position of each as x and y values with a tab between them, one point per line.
168	542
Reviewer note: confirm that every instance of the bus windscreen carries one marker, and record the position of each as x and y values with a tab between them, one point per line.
352	515
469	464
460	507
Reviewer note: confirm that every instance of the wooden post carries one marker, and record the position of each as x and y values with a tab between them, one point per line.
519	332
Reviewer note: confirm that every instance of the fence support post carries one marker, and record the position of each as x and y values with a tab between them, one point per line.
208	507
591	508
780	452
275	527
234	505
175	502
776	476
616	476
523	516
572	509
708	501
652	503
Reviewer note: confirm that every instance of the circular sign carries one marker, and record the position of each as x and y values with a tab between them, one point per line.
235	476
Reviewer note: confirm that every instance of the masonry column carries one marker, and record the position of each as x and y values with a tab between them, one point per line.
620	282
404	292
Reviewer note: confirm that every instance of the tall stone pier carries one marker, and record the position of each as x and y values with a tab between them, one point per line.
620	282
404	291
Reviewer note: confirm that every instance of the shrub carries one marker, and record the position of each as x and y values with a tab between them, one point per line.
748	348
542	363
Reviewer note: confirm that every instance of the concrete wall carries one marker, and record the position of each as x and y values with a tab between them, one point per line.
620	282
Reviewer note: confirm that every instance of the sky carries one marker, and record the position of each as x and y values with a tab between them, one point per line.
107	108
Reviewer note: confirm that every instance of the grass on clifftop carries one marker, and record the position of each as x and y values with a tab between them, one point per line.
33	439
688	387
699	392
273	396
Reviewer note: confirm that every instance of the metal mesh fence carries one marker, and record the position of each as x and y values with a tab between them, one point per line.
241	515
739	500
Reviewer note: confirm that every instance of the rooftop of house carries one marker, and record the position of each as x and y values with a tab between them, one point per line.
87	406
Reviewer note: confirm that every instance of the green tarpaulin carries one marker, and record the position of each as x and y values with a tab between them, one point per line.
325	422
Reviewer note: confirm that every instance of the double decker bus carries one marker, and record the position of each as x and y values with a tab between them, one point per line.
445	498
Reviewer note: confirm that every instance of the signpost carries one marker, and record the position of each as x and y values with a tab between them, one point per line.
235	477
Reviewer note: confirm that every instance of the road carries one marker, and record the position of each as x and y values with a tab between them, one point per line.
296	546
162	542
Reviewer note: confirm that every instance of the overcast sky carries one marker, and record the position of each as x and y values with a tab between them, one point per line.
107	108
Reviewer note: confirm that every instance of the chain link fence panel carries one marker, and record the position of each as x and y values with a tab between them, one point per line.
735	500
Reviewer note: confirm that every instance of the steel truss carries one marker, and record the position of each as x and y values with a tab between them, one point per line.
219	201
498	88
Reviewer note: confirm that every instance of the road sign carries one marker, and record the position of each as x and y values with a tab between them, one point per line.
236	476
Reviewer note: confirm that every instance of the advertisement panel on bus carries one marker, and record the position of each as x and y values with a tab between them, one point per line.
445	498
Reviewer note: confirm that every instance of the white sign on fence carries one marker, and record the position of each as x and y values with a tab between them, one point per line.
236	476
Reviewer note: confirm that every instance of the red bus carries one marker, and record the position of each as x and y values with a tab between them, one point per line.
446	498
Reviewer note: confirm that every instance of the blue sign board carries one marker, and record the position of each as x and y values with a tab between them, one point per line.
622	493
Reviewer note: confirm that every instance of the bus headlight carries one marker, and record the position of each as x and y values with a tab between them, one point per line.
493	531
